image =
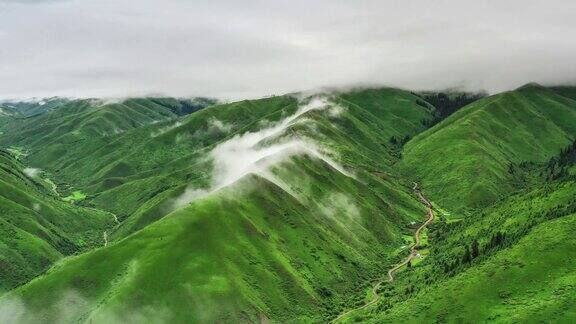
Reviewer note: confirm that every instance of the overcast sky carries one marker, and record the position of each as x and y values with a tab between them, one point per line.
248	48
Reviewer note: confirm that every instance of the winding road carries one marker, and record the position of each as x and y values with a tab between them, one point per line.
413	254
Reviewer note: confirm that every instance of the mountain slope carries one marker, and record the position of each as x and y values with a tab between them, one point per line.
464	161
62	132
565	91
116	177
37	228
354	134
7	116
297	210
508	262
522	272
35	106
287	209
251	250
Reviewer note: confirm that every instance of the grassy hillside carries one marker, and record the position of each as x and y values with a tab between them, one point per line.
60	133
34	107
566	91
464	161
251	250
116	177
36	227
289	208
528	280
314	218
358	136
511	262
7	115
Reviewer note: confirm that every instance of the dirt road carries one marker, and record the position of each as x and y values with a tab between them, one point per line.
416	245
413	254
105	233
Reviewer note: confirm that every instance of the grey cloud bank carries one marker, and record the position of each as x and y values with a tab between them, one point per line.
243	49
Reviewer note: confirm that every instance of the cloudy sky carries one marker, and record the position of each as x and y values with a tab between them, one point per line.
249	48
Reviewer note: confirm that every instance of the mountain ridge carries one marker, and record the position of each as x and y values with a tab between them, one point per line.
290	208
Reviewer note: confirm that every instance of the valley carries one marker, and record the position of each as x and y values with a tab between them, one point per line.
413	254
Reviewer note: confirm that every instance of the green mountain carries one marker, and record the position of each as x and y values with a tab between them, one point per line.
464	161
35	106
566	91
111	169
512	262
295	208
7	116
39	224
36	227
50	136
285	236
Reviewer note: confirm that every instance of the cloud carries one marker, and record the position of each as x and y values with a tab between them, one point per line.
165	129
245	49
249	152
343	211
12	310
340	204
255	152
36	207
215	124
65	309
70	306
31	172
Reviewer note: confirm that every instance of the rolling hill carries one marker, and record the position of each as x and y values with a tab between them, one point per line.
37	228
292	208
49	136
111	170
7	116
35	106
519	271
464	161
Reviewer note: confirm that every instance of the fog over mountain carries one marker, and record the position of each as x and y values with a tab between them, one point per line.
242	49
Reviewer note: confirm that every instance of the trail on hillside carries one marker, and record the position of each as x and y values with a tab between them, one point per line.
105	233
413	254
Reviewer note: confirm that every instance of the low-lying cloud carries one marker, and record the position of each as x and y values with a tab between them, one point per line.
255	152
69	308
249	153
217	125
31	172
14	310
165	129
